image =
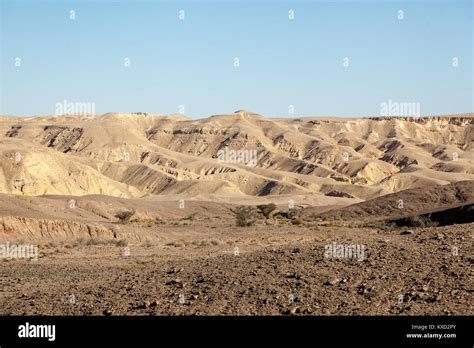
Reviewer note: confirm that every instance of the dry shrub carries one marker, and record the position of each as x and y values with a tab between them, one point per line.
421	221
297	221
266	209
246	216
124	216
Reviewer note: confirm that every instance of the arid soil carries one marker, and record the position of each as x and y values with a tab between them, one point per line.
137	214
274	270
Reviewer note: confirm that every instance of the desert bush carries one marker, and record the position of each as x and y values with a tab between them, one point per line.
190	217
124	216
266	209
420	221
120	242
246	216
179	243
297	221
93	241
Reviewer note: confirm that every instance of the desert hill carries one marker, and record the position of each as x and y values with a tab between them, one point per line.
417	201
327	159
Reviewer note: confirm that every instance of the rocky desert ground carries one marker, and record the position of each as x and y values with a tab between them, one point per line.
236	214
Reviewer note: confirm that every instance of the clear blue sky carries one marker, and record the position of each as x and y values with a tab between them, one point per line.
282	62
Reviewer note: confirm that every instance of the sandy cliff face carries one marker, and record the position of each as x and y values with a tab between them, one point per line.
240	154
22	228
